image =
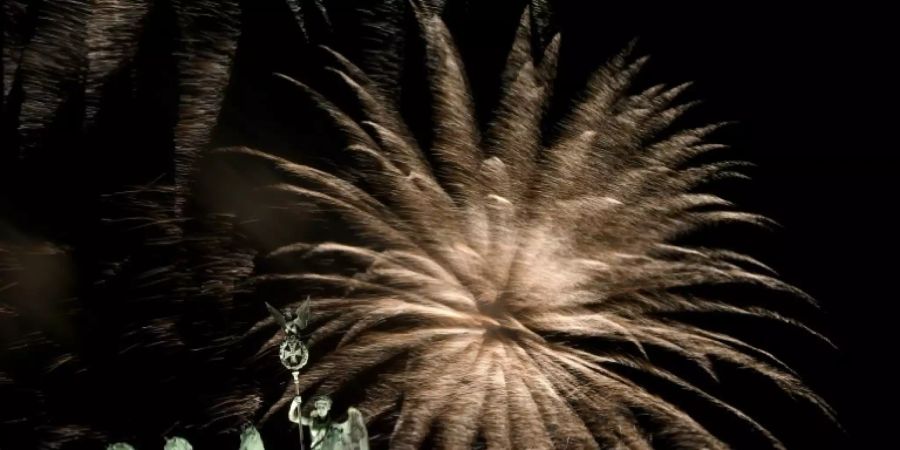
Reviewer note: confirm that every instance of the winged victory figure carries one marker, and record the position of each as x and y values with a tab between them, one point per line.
328	434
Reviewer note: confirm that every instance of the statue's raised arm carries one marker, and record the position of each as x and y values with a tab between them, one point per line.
295	412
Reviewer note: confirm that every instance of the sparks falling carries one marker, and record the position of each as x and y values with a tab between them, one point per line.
488	261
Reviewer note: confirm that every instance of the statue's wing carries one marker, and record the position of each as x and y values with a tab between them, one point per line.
356	430
178	443
120	446
250	439
277	315
302	318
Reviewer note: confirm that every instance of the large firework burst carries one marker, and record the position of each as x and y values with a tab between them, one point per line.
522	284
500	285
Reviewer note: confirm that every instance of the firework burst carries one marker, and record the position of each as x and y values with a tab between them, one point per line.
500	285
522	284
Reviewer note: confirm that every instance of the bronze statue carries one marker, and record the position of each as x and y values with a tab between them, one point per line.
328	434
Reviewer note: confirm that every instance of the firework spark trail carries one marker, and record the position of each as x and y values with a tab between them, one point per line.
483	267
